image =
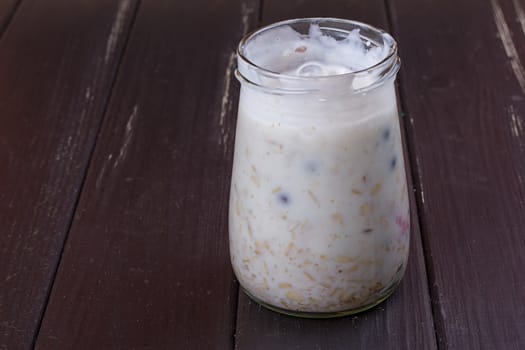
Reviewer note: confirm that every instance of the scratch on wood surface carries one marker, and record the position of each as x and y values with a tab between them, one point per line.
67	149
226	102
12	326
130	127
508	44
516	126
117	27
520	14
246	11
422	193
102	171
88	93
226	87
418	171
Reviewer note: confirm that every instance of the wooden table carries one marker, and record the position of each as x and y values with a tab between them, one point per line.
117	127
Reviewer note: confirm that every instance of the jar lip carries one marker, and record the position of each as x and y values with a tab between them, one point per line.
390	59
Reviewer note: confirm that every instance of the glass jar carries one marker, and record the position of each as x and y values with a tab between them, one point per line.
319	211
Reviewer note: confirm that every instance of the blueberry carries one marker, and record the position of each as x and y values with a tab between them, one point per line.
386	134
312	167
393	163
283	198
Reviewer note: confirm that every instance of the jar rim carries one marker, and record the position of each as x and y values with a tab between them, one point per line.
390	62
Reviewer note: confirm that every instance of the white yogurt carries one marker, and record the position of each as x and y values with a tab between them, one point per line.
319	216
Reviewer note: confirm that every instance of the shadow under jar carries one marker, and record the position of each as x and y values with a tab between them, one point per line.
319	211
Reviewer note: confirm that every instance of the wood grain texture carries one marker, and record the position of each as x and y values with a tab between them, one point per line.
463	84
371	12
7	11
404	321
146	265
57	63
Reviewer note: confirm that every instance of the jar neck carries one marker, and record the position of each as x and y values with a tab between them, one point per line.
256	76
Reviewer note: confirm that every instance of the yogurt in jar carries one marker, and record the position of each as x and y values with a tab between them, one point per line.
319	213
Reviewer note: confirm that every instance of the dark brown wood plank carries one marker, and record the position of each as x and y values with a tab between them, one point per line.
146	265
404	321
464	87
7	10
57	63
371	12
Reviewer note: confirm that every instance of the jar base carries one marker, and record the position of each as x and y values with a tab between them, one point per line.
332	314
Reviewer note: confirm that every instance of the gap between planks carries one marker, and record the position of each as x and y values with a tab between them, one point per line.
92	150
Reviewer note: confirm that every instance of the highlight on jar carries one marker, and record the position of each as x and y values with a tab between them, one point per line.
319	211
